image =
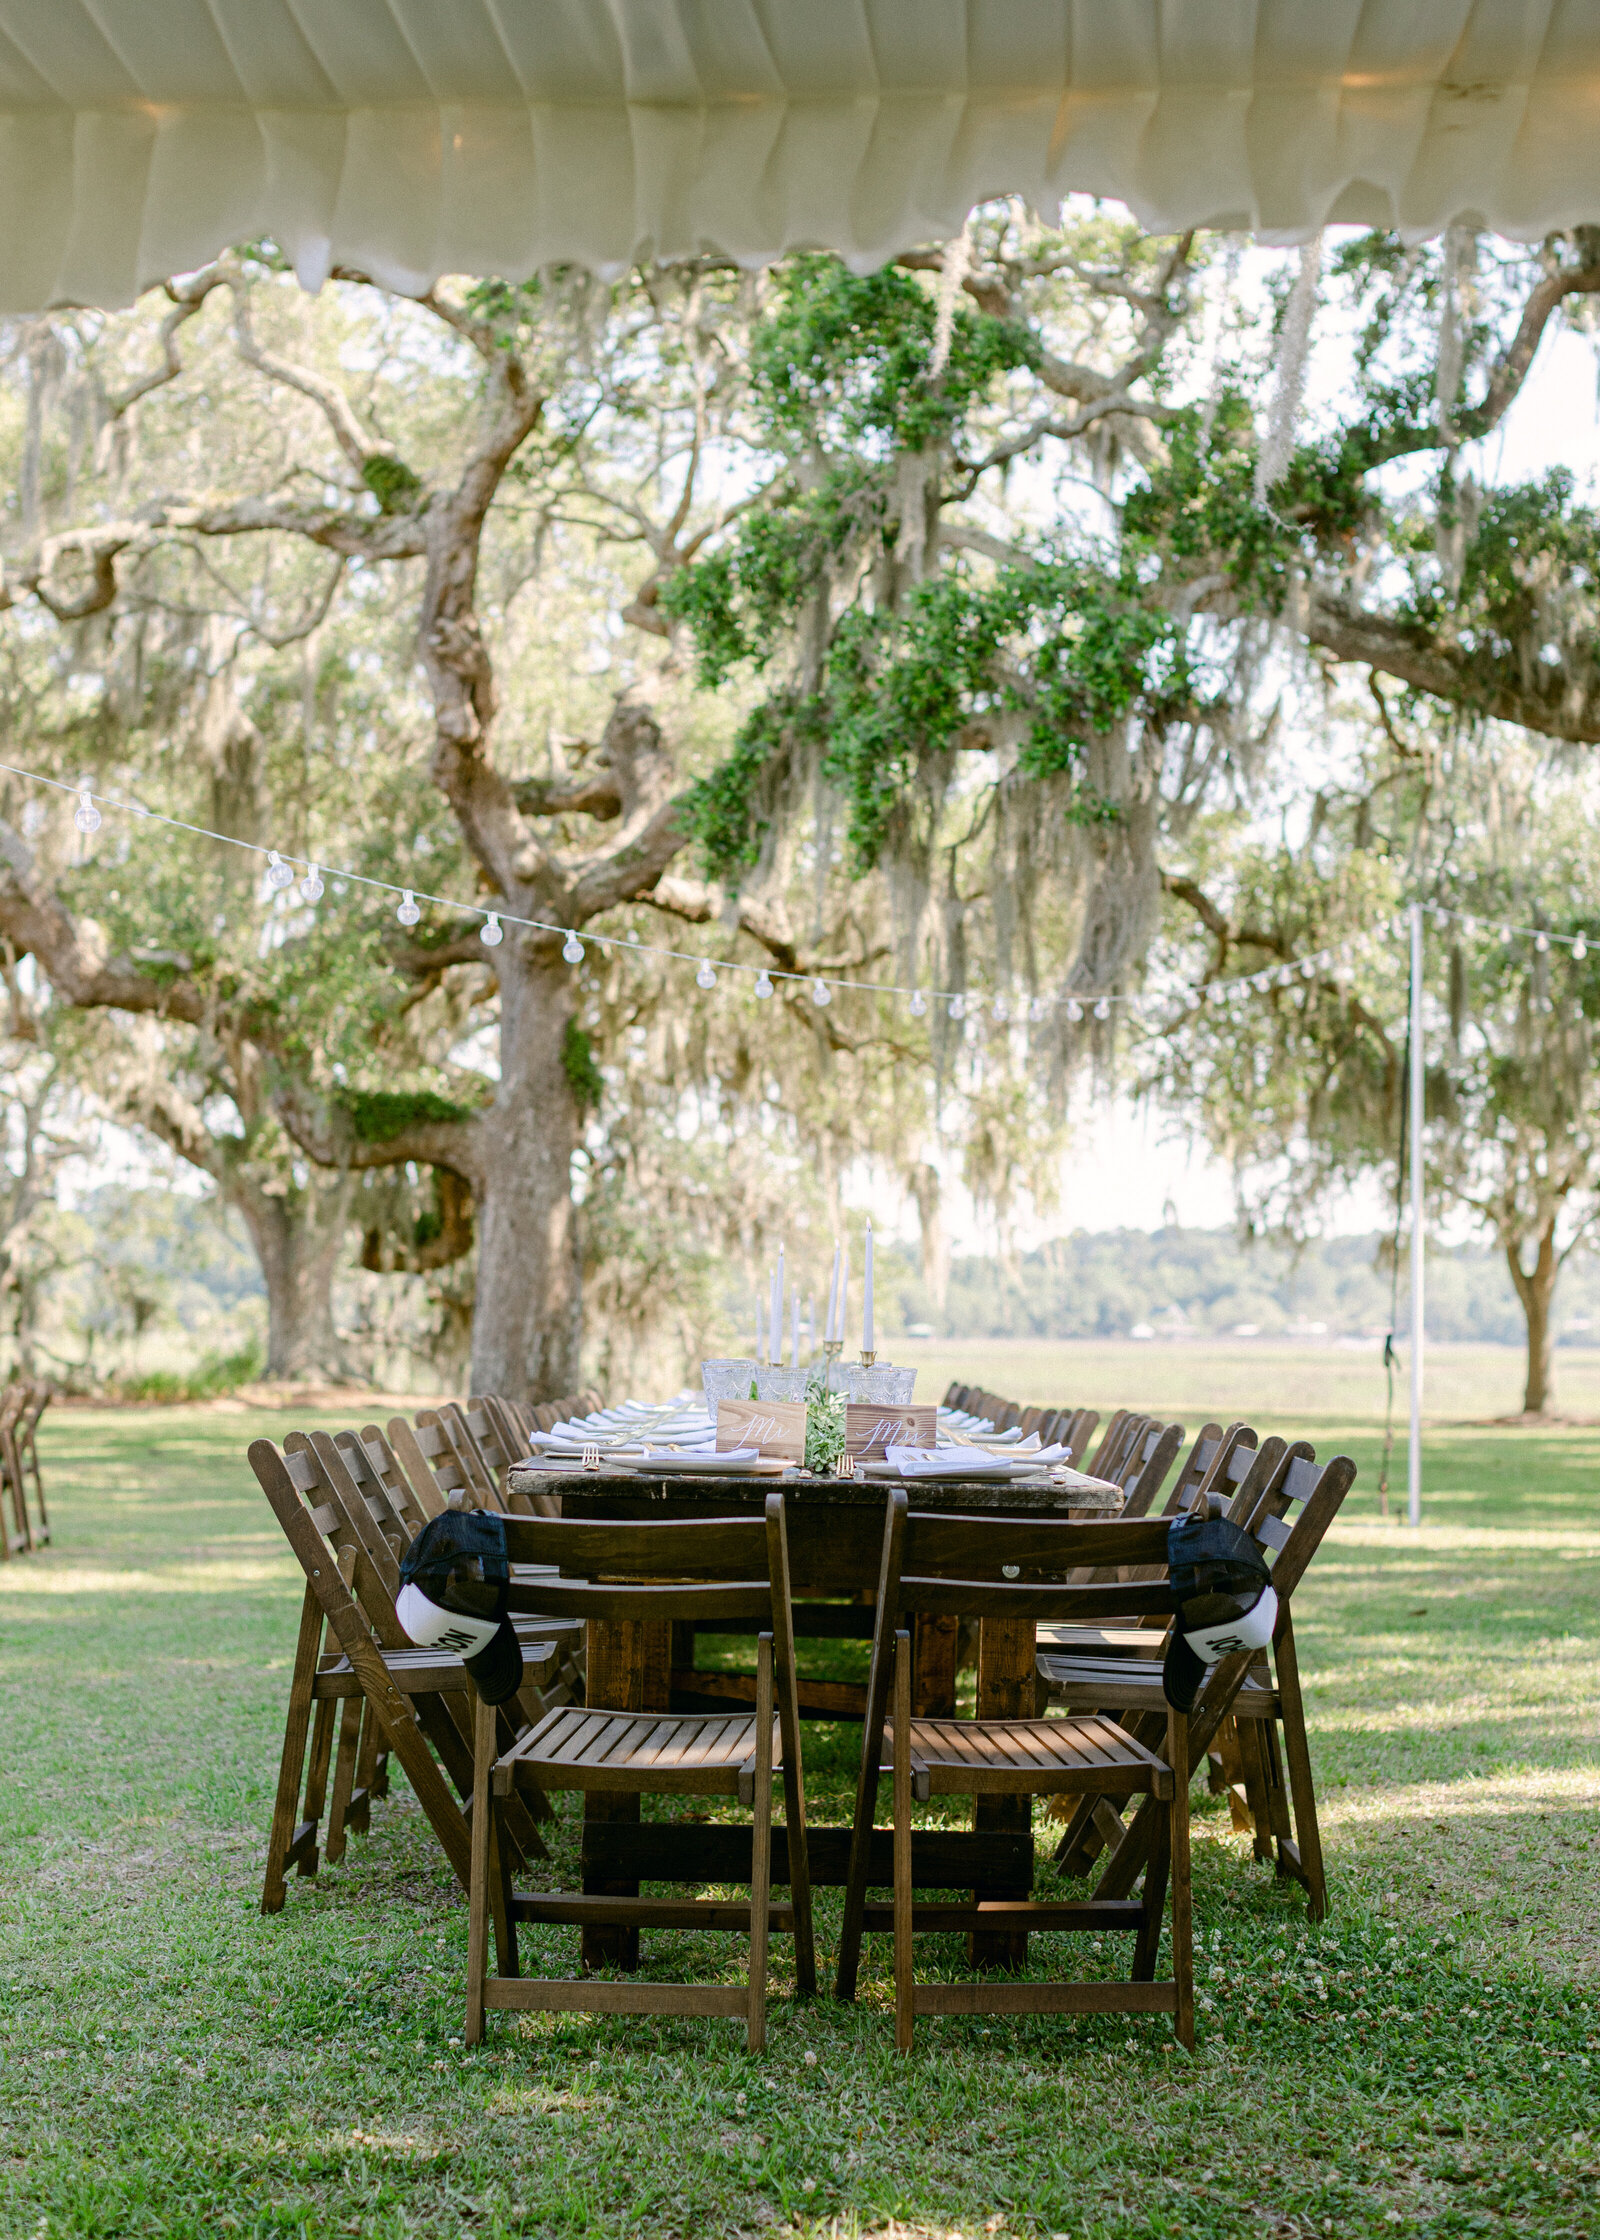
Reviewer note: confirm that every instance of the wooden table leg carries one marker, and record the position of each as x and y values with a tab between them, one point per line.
629	1670
1005	1691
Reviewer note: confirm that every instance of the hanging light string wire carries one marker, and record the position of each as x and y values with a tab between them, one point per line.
959	1002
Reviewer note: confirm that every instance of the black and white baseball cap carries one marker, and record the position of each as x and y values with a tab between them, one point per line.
1223	1599
453	1581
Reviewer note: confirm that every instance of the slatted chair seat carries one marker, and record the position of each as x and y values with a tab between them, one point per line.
1032	1757
639	1751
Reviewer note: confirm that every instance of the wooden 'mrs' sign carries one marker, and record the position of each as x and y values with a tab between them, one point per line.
869	1430
775	1427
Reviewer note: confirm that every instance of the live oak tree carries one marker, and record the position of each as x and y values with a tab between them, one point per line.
1299	1081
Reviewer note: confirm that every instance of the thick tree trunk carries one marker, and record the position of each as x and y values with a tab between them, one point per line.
526	1328
298	1234
1536	1290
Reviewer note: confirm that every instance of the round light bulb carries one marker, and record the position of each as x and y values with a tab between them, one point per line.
1308	971
706	977
1037	1009
1074	1010
311	885
918	1005
86	816
1001	1009
279	873
1102	1009
1580	949
572	949
763	986
408	912
958	1007
491	933
821	994
1541	942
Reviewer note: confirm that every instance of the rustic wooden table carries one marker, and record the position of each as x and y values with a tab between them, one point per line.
835	1529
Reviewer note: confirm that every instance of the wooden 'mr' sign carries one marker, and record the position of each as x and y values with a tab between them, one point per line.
870	1431
776	1427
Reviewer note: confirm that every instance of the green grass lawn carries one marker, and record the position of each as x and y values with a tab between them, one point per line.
1427	2061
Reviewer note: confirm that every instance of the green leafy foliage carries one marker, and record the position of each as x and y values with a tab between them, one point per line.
841	363
379	1115
397	487
582	1070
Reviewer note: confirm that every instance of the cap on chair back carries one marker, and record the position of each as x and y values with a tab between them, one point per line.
1222	1594
453	1581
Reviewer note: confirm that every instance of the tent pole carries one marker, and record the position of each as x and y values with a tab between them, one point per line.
1414	1491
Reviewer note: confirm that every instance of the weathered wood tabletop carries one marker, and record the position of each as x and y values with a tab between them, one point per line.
835	1532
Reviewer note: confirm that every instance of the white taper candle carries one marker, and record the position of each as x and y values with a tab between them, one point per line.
867	1345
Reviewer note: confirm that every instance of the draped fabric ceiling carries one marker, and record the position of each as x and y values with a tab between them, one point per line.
414	137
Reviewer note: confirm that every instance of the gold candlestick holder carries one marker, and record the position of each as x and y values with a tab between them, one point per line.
832	1348
867	1359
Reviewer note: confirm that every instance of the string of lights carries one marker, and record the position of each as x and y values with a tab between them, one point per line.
283	869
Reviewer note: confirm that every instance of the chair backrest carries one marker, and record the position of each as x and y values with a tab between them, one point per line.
1315	1496
363	1549
955	1396
42	1394
1215	1467
1145	1466
1118	1435
370	1460
13	1401
424	1450
497	1440
450	1422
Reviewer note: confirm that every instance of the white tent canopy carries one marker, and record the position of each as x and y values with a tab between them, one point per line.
414	137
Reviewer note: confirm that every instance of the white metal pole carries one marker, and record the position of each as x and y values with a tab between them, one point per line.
1414	1495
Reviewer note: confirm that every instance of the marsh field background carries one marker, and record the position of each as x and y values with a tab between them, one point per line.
1423	2062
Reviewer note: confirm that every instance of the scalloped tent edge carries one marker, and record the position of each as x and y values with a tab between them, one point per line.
410	138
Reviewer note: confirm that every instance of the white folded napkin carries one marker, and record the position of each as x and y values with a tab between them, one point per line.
949	1462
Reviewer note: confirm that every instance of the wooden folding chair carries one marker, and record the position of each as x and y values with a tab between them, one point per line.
1018	1569
733	1568
39	1397
351	1651
16	1535
1260	1698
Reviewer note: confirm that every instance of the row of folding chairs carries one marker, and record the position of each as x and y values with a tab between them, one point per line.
350	1503
24	1519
